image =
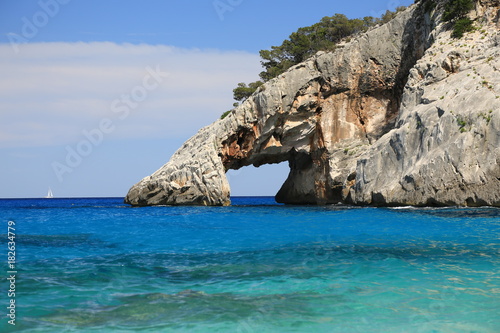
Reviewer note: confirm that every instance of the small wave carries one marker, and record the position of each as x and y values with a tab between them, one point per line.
403	207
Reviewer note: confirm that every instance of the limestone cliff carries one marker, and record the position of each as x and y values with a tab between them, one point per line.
400	115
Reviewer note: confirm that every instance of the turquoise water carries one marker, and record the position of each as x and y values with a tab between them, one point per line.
97	265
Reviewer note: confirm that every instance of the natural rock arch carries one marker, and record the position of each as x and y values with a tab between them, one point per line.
318	116
330	118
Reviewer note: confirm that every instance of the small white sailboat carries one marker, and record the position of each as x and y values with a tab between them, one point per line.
50	195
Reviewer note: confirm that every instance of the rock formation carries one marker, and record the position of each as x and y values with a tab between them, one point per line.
400	115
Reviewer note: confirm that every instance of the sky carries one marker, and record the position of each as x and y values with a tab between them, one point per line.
97	94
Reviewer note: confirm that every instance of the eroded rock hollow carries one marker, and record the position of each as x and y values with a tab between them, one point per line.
393	117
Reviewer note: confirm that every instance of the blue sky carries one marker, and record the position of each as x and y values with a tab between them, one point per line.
68	66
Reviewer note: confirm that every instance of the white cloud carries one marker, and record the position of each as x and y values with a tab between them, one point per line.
51	92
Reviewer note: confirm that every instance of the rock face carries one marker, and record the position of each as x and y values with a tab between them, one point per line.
445	147
401	115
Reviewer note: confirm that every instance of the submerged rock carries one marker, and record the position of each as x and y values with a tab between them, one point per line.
401	115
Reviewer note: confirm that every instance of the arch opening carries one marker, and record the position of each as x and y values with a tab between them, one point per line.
262	181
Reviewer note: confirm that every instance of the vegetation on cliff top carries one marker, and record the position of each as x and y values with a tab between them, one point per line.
322	36
326	34
305	42
455	11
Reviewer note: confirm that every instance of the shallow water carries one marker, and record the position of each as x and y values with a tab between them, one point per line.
97	265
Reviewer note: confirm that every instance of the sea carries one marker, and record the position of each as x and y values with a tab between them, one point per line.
99	265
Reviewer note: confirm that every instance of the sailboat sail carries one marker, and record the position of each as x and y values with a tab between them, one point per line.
49	194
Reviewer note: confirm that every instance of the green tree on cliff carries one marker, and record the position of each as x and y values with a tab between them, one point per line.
242	91
455	11
305	42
